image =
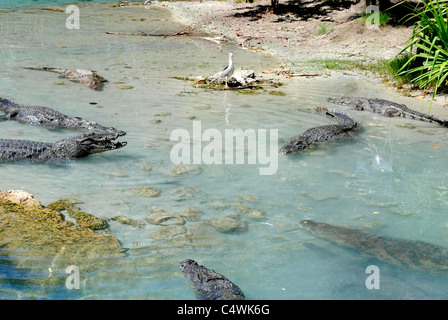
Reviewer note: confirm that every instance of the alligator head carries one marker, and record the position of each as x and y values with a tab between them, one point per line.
294	145
85	144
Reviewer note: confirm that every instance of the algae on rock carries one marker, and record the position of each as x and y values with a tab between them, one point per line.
82	218
31	235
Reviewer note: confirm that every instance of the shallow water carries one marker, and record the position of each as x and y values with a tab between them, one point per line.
389	180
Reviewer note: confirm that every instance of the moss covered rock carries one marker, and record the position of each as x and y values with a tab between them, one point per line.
82	218
64	204
88	220
34	236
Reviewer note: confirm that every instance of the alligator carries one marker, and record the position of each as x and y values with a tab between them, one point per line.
385	108
44	116
344	129
77	146
85	77
406	254
208	284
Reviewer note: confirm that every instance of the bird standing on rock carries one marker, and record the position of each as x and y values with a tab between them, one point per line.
228	71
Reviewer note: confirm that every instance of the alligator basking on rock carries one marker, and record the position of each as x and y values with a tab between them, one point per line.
408	254
385	108
344	129
208	284
85	77
77	146
43	116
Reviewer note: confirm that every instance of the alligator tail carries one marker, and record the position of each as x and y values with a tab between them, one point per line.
428	117
57	70
443	123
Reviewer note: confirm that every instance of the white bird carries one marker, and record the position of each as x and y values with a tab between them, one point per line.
228	71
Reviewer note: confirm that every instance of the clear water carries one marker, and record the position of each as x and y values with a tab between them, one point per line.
41	3
390	180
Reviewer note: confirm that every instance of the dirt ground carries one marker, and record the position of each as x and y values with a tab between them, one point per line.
293	35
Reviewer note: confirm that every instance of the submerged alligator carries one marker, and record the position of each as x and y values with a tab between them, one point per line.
416	255
208	284
77	146
85	77
44	116
385	108
344	129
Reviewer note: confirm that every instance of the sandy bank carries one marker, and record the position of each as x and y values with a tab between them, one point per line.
294	37
301	39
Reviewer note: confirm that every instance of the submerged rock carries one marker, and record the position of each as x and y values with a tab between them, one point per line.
146	167
125	220
162	114
192	214
248	211
124	86
168	232
249	198
146	191
218	206
182	169
277	93
163	218
185	193
227	224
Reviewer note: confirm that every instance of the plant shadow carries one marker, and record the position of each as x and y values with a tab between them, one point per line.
304	10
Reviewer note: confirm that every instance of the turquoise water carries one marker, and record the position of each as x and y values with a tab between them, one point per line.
40	3
389	180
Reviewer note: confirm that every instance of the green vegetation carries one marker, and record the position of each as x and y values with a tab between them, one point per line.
396	65
422	62
428	63
386	69
384	18
382	68
339	64
324	28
